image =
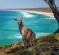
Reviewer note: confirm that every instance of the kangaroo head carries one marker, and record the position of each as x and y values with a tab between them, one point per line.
18	20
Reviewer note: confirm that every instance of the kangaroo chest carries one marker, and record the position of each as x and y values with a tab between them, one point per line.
23	31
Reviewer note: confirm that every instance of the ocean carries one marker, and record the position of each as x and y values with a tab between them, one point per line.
40	24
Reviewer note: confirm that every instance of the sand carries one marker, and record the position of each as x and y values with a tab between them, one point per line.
44	13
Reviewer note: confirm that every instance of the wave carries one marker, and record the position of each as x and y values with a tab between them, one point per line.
17	36
25	14
41	34
50	18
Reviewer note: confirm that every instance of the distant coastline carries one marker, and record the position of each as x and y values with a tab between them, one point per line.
48	10
44	11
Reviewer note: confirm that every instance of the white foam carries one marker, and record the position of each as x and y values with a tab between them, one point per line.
25	14
51	18
17	36
44	13
41	34
28	15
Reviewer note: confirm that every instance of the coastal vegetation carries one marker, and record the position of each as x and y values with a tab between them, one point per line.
44	45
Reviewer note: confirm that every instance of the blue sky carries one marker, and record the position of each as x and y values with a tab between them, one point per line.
5	4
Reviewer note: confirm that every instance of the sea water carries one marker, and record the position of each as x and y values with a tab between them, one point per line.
40	24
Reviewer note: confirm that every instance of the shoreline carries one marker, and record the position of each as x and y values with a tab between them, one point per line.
50	14
44	13
41	12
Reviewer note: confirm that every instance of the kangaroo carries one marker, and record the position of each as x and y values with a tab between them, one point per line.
28	35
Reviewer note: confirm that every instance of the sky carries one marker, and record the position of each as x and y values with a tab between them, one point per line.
11	4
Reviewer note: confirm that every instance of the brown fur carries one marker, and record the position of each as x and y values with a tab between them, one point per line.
28	35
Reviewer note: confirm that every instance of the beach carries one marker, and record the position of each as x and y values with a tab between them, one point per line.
44	11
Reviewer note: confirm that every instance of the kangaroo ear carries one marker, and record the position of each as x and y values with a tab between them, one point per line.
20	18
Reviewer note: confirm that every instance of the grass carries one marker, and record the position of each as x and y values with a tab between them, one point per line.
42	47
